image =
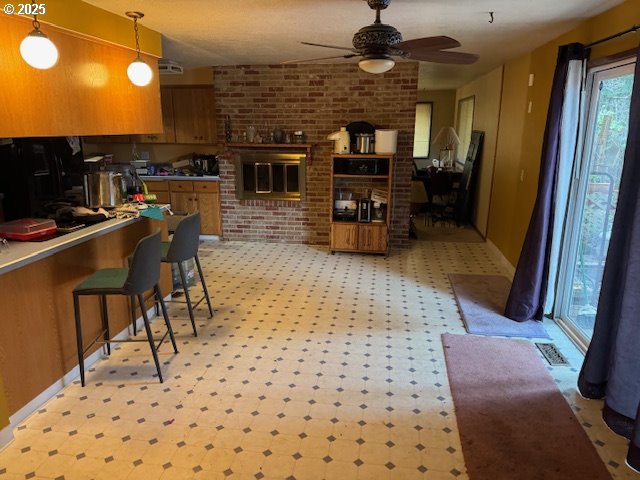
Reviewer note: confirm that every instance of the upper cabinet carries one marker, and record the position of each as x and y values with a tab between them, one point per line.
194	114
168	134
188	116
86	93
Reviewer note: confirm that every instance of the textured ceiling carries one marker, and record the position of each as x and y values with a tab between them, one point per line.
200	33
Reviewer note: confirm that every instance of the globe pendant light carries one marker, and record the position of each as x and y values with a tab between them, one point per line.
138	71
37	50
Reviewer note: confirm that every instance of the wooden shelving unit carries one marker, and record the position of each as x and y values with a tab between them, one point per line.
358	175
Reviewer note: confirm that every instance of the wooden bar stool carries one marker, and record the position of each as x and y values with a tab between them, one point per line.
143	274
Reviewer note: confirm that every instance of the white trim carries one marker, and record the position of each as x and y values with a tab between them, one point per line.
573	334
6	434
506	264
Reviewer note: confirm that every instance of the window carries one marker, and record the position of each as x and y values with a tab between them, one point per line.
422	131
464	126
594	195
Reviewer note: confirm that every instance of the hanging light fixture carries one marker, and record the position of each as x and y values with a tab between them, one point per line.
376	63
36	49
138	71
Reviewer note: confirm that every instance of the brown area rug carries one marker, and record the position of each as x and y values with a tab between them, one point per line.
514	423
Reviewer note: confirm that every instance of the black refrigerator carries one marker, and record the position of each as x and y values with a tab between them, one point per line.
36	172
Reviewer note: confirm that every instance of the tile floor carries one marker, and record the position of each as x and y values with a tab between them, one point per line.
315	366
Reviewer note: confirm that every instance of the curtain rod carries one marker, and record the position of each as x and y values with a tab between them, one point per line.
635	28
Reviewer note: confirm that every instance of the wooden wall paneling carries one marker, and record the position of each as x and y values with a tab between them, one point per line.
37	345
86	93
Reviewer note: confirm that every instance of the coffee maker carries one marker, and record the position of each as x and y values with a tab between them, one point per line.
364	210
205	164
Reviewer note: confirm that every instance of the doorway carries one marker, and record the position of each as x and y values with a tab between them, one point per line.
593	198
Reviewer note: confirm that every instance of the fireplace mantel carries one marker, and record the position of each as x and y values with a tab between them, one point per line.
307	147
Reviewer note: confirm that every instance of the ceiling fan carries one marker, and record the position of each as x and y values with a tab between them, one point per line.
378	43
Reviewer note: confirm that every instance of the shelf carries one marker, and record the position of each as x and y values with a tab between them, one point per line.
357	175
362	155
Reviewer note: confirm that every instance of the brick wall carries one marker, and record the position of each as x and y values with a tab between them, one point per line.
317	99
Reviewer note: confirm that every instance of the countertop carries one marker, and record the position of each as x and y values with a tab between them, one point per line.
204	178
20	254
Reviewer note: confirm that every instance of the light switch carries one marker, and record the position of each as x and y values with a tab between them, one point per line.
530	107
531	78
522	175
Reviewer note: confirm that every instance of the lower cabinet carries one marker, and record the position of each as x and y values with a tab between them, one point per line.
187	196
358	237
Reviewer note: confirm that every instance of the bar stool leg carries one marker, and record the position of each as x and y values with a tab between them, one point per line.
204	286
105	322
160	300
183	277
152	344
132	301
76	311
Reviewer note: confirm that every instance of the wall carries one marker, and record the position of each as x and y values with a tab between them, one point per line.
503	213
508	232
443	114
317	99
487	91
90	20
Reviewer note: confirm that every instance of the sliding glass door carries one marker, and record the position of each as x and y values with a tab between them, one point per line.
593	200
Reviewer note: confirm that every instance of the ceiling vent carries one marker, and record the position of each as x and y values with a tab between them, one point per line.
169	67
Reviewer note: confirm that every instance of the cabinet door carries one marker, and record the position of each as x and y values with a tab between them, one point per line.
372	238
183	202
194	114
209	208
168	134
344	236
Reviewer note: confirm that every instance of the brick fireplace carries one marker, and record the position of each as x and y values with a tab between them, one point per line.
317	99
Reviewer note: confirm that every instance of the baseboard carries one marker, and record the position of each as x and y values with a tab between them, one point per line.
6	434
506	265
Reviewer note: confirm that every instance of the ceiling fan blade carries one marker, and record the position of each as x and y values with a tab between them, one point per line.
440	56
349	55
330	46
418	45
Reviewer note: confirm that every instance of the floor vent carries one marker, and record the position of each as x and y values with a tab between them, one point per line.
552	354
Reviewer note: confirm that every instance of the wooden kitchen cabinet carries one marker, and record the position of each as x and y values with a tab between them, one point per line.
199	196
107	139
160	188
194	114
168	134
344	236
372	238
358	176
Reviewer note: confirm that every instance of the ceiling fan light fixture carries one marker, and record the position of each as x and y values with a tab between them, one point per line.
376	65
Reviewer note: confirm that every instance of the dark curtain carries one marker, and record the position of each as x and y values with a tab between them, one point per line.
611	368
529	288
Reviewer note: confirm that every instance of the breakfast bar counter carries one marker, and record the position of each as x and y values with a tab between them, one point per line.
38	344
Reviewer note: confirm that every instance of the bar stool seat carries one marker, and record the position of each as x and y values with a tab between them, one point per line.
142	275
182	247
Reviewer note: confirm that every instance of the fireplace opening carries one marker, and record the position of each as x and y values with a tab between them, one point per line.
270	176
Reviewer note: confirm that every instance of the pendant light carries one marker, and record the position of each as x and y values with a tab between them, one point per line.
138	71
36	49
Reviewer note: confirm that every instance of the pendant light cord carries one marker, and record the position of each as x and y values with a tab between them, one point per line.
135	28
36	23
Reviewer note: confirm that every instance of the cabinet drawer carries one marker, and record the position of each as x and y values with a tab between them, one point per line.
181	186
209	187
157	186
